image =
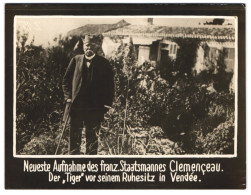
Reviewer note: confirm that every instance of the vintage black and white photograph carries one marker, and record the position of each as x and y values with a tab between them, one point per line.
125	86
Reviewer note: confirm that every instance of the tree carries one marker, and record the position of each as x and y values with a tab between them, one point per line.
216	21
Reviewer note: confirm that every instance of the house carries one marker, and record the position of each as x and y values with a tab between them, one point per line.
153	49
208	54
148	45
157	43
96	29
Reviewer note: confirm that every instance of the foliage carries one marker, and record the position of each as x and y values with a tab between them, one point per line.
149	115
181	110
187	53
216	21
38	88
222	78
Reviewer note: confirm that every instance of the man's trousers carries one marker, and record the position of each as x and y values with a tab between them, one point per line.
92	122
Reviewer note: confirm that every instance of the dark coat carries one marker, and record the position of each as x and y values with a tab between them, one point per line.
102	80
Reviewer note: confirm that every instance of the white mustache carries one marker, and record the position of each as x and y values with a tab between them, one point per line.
89	52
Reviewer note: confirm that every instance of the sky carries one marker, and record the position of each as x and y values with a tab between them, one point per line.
45	29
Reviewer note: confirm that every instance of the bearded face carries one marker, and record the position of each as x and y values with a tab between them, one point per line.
89	49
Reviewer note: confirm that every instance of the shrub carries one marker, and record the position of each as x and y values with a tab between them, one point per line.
149	115
38	88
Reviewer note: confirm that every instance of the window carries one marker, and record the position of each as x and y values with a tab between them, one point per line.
174	49
213	54
171	49
229	59
144	52
229	53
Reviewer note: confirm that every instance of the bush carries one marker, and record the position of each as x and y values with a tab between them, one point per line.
38	88
149	115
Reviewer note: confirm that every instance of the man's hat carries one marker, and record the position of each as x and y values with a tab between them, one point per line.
87	39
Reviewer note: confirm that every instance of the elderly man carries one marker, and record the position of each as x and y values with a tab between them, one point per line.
88	85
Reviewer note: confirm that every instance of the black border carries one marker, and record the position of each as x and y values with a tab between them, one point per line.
234	175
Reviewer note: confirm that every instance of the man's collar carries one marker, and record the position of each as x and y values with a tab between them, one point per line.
90	58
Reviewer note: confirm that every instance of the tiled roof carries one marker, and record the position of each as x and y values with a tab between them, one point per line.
96	29
212	32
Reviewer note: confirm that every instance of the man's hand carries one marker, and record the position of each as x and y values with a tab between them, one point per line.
68	101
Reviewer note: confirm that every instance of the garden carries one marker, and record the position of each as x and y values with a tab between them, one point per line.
175	114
